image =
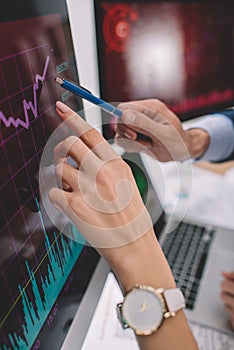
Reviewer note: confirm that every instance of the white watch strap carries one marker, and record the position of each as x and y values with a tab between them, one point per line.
174	299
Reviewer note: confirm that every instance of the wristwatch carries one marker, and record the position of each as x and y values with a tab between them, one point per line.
144	308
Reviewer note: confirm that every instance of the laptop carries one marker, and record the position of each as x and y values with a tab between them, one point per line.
46	277
197	254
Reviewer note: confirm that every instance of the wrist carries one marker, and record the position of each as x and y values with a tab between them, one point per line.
141	262
198	142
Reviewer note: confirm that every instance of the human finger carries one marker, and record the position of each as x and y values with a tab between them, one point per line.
75	148
227	286
60	199
229	275
149	107
152	120
229	309
89	135
129	145
124	131
73	120
140	122
228	300
153	109
67	175
82	157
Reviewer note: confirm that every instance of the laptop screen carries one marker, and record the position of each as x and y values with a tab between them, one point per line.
43	274
180	52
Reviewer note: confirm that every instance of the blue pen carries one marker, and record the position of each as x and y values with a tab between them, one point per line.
87	95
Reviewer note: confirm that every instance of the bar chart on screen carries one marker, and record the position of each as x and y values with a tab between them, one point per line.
59	258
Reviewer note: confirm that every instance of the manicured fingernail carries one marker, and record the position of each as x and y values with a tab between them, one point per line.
129	117
62	107
128	136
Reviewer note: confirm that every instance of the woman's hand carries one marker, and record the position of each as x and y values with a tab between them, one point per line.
167	140
101	198
99	195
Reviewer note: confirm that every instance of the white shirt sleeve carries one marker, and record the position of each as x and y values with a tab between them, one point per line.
221	131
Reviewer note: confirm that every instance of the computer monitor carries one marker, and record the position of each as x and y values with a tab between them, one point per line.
45	277
180	52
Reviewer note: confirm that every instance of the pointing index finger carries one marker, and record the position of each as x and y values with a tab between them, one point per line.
73	120
89	135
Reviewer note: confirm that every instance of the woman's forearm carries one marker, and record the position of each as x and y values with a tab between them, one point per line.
143	262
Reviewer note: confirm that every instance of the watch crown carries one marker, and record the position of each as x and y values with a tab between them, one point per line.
169	314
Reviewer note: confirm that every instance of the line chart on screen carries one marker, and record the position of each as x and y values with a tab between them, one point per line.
19	108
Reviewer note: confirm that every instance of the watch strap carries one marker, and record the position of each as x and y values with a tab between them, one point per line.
174	299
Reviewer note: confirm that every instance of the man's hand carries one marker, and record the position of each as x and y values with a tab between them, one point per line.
167	140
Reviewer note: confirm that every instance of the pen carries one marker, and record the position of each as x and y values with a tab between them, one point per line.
87	95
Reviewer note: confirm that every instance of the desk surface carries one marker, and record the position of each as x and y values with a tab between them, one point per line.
219	168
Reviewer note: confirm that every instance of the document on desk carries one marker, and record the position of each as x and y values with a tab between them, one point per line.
106	333
212	198
188	191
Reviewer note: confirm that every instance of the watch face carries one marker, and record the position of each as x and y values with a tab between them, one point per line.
143	311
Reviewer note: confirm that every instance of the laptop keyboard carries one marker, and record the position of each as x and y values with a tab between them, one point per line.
186	249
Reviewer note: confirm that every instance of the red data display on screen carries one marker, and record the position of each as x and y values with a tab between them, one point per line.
179	52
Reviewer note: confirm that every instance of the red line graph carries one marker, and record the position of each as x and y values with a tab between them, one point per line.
27	105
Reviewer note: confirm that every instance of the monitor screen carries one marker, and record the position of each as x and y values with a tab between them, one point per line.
180	52
43	273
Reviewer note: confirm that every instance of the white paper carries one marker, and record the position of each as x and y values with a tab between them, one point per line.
105	331
193	192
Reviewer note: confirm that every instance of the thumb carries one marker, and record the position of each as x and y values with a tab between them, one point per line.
140	122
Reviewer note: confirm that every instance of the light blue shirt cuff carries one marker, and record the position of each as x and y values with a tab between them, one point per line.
221	131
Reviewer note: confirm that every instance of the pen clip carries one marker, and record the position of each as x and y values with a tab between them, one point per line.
82	87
